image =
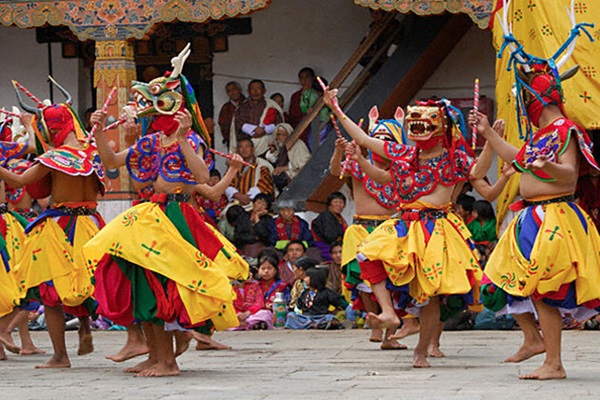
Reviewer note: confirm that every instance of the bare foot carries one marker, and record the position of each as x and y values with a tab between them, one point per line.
392	345
129	351
54	362
546	372
144	365
526	352
86	344
420	361
376	335
434	351
406	330
2	353
206	343
389	321
31	350
182	342
158	370
8	342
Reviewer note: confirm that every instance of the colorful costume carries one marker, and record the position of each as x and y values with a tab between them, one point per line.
553	244
56	272
426	251
53	269
12	237
159	261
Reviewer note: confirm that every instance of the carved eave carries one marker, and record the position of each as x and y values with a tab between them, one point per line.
120	19
479	11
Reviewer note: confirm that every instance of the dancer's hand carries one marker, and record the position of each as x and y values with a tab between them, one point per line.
184	119
340	145
480	121
236	162
354	151
330	97
539	163
499	126
98	117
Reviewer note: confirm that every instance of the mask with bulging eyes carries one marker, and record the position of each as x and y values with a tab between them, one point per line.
426	124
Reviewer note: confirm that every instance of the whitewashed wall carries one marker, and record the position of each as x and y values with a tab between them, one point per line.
26	61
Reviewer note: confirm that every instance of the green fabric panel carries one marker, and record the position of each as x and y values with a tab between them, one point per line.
22	220
144	304
173	212
495	300
451	306
353	273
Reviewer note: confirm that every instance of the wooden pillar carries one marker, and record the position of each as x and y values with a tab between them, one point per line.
115	67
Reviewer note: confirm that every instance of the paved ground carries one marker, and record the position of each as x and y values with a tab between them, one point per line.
312	365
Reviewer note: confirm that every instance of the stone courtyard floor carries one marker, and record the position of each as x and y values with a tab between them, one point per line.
311	365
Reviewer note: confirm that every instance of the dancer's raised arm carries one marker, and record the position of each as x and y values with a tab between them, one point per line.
361	138
109	157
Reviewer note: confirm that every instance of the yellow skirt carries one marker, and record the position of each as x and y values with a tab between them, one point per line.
144	236
49	256
546	247
13	250
434	256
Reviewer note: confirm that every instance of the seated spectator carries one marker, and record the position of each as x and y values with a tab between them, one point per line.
252	231
300	265
329	226
314	303
288	226
268	278
288	163
293	250
236	97
227	224
250	307
464	206
483	229
256	118
334	267
278	98
250	181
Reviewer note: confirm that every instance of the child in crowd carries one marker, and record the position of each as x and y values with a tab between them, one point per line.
300	265
269	280
314	303
483	229
250	307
